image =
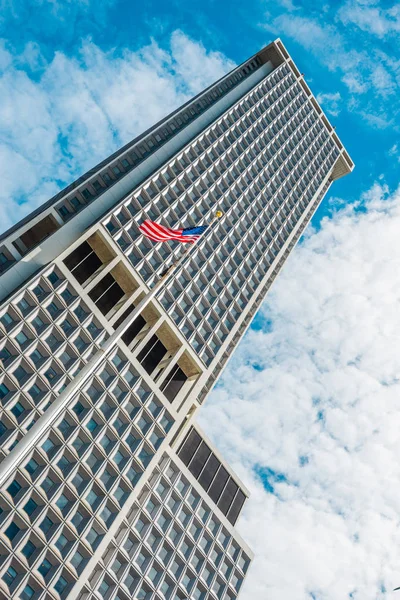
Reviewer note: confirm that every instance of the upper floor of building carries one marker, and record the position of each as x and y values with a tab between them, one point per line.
37	239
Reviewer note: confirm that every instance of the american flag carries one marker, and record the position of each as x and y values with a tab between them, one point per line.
159	233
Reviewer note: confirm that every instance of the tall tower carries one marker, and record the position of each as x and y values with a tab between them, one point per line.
112	492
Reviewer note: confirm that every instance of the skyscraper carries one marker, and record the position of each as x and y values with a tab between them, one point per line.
109	490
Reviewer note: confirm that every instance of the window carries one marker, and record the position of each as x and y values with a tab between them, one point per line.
107	515
17	409
106	294
61	543
5	354
44	567
32	466
21	338
35	391
94	499
14	488
174	383
78	408
94	537
27	593
61	585
83	262
97	185
36	356
30	507
155	574
103	588
62	502
12	531
7	320
10	575
77	560
20	374
50	374
79	520
28	549
3	391
152	354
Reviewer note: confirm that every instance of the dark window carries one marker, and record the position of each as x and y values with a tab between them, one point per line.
30	507
12	531
5	354
174	384
64	212
152	354
199	459
133	329
61	585
86	194
228	495
189	447
106	294
36	234
14	488
83	262
209	471
45	567
3	390
76	203
218	484
28	549
10	575
236	507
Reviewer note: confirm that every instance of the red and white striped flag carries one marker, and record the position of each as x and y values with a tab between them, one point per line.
159	233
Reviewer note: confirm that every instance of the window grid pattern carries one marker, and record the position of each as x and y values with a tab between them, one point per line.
71	487
172	546
127	161
47	334
262	163
91	185
204	465
212	378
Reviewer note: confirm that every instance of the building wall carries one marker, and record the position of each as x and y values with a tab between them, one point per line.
173	541
78	469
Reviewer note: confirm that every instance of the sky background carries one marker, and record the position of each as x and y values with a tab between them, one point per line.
307	411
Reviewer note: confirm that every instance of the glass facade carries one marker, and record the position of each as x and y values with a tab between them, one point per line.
111	492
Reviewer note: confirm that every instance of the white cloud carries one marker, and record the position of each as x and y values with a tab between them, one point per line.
374	19
324	411
59	119
321	38
331	102
370	75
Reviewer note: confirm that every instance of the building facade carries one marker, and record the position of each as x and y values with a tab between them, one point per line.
108	488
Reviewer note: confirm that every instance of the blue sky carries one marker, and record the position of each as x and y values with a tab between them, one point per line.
308	410
347	51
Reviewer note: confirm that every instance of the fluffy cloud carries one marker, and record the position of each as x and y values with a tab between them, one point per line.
308	414
370	73
58	119
330	102
371	17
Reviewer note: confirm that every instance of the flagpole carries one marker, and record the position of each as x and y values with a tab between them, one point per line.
12	460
